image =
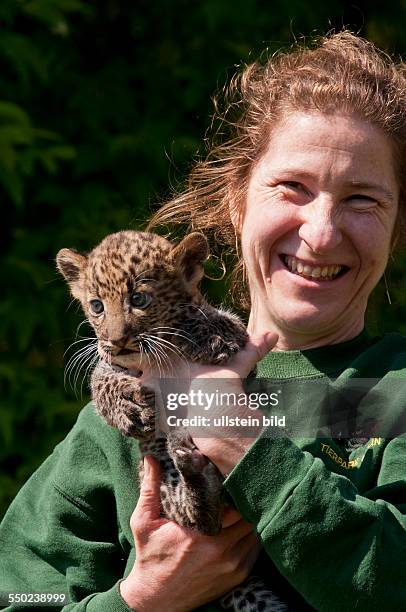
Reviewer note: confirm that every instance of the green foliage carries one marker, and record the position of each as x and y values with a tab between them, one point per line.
102	107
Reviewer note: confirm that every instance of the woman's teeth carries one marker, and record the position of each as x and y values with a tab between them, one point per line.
302	269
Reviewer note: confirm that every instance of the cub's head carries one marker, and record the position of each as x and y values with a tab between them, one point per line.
134	287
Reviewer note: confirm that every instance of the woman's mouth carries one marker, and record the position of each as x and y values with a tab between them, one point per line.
313	272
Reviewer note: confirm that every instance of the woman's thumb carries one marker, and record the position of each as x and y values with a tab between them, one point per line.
255	350
149	500
264	343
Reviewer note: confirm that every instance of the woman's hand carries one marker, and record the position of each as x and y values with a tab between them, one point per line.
177	569
225	452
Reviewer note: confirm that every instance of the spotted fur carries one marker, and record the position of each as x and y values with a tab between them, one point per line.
175	322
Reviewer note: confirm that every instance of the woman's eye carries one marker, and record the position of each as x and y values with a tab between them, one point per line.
292	185
294	188
140	300
96	306
361	201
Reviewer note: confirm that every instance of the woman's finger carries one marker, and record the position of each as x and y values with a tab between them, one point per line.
241	557
230	516
237	531
248	550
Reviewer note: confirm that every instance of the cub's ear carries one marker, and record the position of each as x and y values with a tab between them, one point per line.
70	264
189	255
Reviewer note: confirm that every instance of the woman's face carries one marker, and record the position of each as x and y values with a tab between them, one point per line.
316	234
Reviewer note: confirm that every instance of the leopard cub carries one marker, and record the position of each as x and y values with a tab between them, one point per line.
141	295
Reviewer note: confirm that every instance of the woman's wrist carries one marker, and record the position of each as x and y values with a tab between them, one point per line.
225	453
132	595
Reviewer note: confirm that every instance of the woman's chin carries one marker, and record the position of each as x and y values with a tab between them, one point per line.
295	317
311	321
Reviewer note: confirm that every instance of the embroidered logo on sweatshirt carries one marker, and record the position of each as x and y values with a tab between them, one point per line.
349	463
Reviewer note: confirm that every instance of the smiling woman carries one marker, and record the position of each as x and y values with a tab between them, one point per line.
341	93
309	185
323	193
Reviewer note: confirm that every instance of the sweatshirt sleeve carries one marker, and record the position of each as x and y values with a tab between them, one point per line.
339	548
61	536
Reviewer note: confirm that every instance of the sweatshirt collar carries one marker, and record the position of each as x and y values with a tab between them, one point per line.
325	360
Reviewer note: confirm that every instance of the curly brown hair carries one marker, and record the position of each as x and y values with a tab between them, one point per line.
339	72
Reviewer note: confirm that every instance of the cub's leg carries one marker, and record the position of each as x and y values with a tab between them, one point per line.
191	486
200	480
122	401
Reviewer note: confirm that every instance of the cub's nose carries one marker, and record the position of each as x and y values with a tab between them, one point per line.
116	346
120	342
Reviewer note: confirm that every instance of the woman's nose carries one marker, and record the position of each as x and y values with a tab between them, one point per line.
320	228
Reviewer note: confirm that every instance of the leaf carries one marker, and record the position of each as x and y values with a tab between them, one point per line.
8	157
27	59
45	134
63	152
15	135
51	156
53	12
14	113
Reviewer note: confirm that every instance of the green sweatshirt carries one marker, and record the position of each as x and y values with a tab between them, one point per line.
332	522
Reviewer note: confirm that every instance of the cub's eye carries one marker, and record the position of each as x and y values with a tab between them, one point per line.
96	306
140	300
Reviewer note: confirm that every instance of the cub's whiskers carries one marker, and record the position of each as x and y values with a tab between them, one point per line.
156	351
173	331
78	360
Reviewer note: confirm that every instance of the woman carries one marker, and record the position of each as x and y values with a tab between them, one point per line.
310	185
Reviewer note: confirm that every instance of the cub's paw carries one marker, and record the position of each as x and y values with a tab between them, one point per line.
137	410
188	459
221	350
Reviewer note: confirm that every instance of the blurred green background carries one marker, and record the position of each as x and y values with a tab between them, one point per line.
103	106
